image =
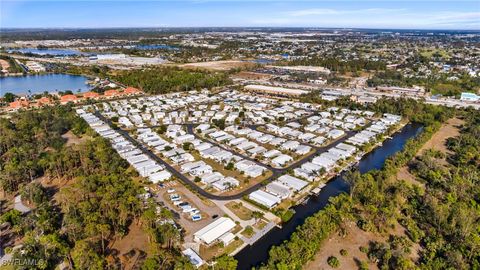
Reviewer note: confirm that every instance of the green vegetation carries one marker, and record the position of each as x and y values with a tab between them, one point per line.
29	141
443	219
14	67
162	80
99	205
335	64
436	84
333	261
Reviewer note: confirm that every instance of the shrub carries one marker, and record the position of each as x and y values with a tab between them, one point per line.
333	261
343	252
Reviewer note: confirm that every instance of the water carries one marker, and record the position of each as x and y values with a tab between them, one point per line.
39	83
263	61
156	47
256	254
44	52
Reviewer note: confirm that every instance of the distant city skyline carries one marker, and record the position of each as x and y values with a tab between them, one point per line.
447	15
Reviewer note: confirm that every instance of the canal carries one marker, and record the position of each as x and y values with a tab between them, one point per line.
257	253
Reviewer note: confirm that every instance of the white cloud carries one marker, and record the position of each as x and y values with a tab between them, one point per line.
323	11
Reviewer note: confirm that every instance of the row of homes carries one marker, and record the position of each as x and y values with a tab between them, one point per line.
144	165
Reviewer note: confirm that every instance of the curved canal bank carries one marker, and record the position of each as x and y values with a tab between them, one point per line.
257	253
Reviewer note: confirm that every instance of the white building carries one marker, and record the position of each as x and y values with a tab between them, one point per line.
214	230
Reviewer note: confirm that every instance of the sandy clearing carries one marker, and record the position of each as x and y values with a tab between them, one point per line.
438	140
4	64
219	65
352	242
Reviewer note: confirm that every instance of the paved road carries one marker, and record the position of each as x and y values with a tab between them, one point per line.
276	172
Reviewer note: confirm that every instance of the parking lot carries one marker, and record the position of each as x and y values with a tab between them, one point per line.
207	209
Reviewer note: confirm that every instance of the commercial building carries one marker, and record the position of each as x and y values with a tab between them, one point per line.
214	230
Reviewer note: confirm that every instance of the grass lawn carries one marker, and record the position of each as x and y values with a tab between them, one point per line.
260	224
248	232
216	250
239	210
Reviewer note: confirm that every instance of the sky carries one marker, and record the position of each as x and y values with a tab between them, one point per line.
407	14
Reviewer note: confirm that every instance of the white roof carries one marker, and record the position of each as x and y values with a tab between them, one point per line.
264	198
214	230
193	257
292	182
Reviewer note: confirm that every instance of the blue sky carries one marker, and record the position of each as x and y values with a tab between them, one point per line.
190	13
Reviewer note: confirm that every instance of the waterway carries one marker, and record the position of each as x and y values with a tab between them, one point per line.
44	52
257	253
40	83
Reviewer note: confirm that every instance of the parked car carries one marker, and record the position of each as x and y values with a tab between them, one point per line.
196	217
178	202
170	190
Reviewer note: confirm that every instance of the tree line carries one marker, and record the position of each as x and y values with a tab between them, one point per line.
161	80
443	218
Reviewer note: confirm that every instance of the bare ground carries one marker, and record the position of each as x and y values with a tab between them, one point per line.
219	65
352	242
438	142
73	139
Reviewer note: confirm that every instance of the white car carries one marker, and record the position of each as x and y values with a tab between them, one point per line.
170	190
194	212
177	202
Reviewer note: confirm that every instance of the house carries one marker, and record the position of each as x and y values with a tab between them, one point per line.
278	189
18	104
131	91
302	149
281	160
194	258
68	98
111	93
91	95
214	230
272	153
292	182
226	183
289	145
160	176
264	198
335	133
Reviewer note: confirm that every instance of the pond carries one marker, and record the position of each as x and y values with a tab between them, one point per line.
40	83
44	52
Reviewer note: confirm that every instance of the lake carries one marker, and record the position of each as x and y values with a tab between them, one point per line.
257	253
46	82
43	52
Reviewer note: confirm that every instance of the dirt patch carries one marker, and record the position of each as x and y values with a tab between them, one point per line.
131	249
438	142
4	64
219	65
448	130
404	174
73	139
246	75
135	239
352	242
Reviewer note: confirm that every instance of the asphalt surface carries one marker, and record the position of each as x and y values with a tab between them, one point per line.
276	172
